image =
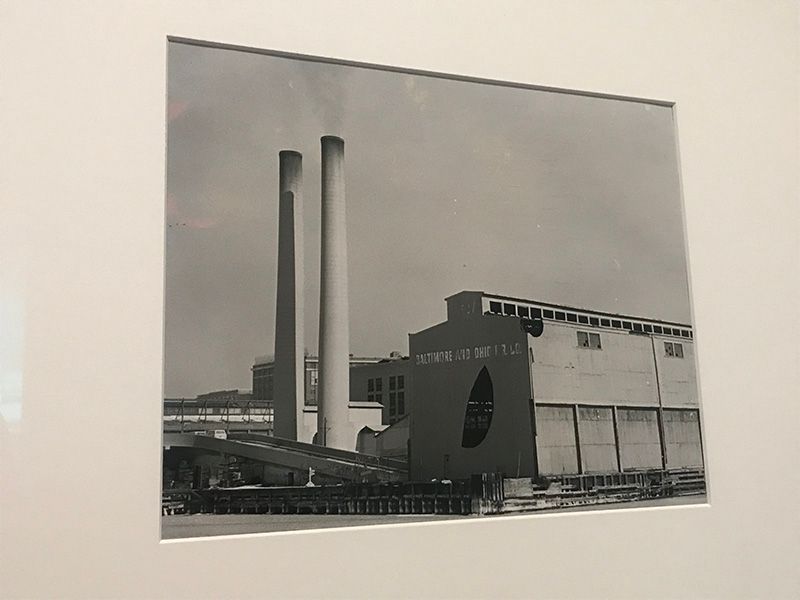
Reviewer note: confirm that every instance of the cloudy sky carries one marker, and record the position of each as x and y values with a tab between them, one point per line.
451	185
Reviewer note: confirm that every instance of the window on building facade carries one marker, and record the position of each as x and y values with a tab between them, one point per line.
589	340
673	349
401	382
510	309
392	382
560	316
401	403
594	341
523	311
548	314
605	322
494	307
572	318
392	404
374	387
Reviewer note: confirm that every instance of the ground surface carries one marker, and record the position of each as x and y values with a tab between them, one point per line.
186	526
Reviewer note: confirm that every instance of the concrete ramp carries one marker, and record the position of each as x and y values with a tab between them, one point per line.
297	456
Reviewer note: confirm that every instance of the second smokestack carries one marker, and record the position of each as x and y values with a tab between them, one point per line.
289	371
334	330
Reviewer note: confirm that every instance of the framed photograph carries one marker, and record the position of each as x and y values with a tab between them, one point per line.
438	326
470	175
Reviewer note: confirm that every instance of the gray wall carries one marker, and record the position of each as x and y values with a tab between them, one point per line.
598	443
555	440
441	390
359	375
639	442
623	372
682	436
677	377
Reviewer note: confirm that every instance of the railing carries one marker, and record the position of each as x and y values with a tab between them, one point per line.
600	488
646	483
482	494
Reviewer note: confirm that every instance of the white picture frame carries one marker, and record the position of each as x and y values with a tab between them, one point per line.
83	120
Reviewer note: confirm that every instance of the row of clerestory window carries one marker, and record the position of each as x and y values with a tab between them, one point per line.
516	310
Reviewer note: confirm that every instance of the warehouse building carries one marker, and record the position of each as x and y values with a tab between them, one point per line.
534	389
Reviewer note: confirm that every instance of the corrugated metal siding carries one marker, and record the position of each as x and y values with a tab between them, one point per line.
598	448
682	436
555	437
640	445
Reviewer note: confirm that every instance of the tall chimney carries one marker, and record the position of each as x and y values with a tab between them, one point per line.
334	329
289	371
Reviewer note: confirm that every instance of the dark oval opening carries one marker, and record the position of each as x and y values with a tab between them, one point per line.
480	407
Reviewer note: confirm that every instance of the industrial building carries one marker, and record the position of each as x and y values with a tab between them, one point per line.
504	387
388	382
387	442
264	390
533	389
385	380
263	377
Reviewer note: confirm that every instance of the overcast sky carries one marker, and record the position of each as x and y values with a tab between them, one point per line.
450	186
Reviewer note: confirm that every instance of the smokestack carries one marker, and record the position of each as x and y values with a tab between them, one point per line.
289	370
334	329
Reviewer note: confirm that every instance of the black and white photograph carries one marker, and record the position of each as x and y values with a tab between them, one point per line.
399	300
394	296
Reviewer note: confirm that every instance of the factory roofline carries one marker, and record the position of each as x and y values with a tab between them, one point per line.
568	308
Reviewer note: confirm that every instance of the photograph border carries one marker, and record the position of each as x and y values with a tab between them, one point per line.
400	70
96	293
